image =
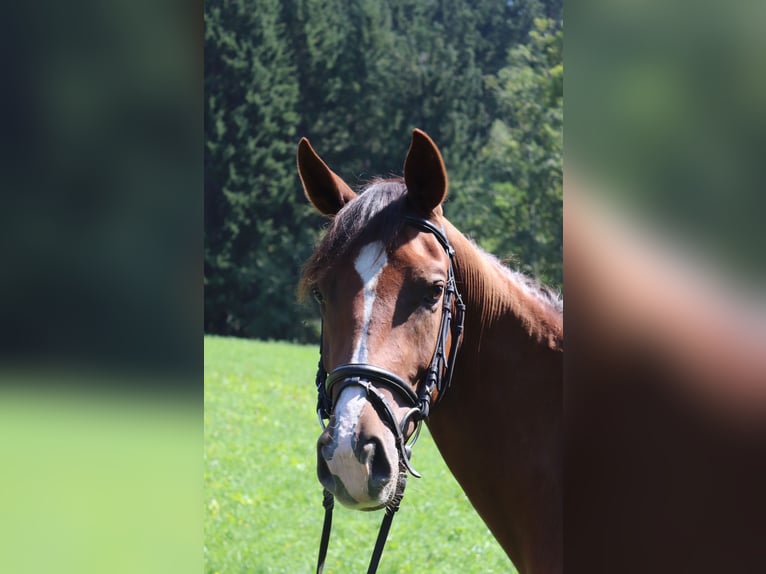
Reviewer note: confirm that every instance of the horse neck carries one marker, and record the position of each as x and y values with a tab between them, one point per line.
501	301
499	426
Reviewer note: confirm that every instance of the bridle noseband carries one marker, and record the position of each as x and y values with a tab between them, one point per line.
437	380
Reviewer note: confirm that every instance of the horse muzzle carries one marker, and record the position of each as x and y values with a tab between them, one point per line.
358	462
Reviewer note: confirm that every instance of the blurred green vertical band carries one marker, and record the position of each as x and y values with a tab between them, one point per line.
101	287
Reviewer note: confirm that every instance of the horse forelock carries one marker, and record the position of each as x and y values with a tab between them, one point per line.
377	212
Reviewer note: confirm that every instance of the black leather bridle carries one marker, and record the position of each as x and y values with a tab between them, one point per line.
436	379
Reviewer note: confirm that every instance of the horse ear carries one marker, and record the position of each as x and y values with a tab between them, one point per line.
323	188
424	173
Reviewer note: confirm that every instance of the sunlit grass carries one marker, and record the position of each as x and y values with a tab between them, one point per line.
263	510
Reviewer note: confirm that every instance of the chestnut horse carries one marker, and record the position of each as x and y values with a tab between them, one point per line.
381	281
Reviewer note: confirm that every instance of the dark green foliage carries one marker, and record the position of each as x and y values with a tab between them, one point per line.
254	213
356	76
512	204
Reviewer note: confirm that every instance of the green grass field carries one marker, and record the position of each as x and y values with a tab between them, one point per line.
263	510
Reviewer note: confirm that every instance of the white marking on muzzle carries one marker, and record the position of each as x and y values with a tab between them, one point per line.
347	412
344	463
369	264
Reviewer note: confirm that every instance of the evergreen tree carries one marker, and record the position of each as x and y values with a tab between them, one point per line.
253	224
514	206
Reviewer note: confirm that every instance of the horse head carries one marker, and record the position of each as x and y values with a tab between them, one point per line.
384	288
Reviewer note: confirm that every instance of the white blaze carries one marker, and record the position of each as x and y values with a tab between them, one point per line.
369	264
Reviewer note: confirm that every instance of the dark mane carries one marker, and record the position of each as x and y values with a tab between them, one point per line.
378	210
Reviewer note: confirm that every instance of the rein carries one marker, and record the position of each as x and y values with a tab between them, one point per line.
437	379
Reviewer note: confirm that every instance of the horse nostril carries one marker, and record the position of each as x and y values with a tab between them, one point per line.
323	471
324	438
375	458
325	447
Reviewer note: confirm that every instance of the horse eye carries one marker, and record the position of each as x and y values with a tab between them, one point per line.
317	295
436	292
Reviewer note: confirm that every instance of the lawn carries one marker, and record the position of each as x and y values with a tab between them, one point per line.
263	510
